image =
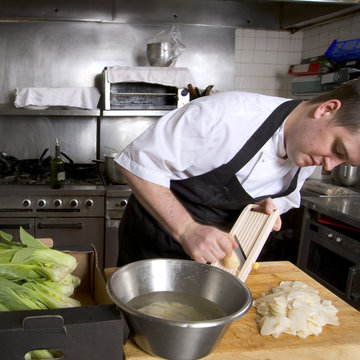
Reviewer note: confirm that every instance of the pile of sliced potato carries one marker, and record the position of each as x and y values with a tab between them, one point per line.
294	308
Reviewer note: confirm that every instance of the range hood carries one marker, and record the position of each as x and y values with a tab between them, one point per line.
263	14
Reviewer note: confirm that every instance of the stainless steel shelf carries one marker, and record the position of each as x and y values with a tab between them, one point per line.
52	111
134	112
8	110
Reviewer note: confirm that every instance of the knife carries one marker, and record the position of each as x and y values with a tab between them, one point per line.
237	259
239	252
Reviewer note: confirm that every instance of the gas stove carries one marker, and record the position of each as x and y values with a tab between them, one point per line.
15	171
23	178
87	210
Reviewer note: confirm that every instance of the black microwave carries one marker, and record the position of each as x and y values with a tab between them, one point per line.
331	255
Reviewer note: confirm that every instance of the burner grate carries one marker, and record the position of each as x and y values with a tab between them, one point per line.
44	179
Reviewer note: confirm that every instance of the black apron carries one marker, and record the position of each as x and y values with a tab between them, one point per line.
214	198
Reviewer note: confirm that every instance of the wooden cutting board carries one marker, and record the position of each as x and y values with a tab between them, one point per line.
243	341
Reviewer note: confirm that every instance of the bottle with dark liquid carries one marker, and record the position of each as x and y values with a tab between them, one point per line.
57	169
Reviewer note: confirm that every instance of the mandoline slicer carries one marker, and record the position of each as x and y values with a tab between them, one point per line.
251	229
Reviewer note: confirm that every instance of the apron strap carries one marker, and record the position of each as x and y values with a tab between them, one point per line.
262	135
288	191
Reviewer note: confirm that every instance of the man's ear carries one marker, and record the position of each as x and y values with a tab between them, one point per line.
327	108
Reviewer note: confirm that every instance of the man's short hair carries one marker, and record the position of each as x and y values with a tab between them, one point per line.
349	113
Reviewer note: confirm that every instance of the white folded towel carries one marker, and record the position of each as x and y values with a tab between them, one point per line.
169	76
79	97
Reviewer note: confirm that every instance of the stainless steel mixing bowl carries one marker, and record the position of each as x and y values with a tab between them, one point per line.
160	53
178	340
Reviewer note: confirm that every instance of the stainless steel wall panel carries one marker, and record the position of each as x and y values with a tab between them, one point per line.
71	54
56	54
27	137
118	132
57	9
201	12
265	14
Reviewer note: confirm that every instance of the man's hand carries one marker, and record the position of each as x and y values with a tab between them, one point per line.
269	207
206	243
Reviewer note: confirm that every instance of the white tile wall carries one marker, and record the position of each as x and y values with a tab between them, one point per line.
318	39
262	58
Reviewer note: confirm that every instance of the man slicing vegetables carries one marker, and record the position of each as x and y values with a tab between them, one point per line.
194	171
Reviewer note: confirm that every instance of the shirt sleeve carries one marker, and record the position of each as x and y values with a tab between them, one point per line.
174	143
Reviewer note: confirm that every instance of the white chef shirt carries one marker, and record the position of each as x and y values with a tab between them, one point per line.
207	133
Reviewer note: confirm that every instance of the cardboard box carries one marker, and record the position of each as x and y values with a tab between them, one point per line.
96	330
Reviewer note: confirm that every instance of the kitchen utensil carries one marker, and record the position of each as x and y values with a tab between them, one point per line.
112	171
193	93
160	53
207	91
345	174
324	188
171	339
78	170
7	164
251	229
239	252
36	166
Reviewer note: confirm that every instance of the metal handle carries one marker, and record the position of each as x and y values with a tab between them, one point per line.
352	287
60	226
14	226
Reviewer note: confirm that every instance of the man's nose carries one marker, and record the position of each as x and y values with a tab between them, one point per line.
330	163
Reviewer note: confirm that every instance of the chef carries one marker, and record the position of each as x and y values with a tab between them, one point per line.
193	172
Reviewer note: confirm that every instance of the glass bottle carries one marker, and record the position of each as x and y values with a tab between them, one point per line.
57	169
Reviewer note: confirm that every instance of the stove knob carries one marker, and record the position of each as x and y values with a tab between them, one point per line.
41	203
26	203
123	203
74	203
89	203
57	202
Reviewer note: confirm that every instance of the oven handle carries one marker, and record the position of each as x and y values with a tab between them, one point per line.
354	273
60	226
14	226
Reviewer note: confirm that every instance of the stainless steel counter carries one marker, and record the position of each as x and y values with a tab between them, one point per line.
342	208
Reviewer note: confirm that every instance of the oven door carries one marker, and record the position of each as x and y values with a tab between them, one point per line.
332	261
67	232
12	226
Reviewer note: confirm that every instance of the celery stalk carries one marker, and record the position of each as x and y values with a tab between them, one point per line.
39	355
45	257
33	276
32	272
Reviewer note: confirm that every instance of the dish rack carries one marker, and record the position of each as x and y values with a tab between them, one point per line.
340	51
252	228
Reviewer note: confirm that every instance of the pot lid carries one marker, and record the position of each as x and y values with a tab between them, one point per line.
112	155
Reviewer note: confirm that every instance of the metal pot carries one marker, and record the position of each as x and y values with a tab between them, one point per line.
111	169
173	339
346	174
